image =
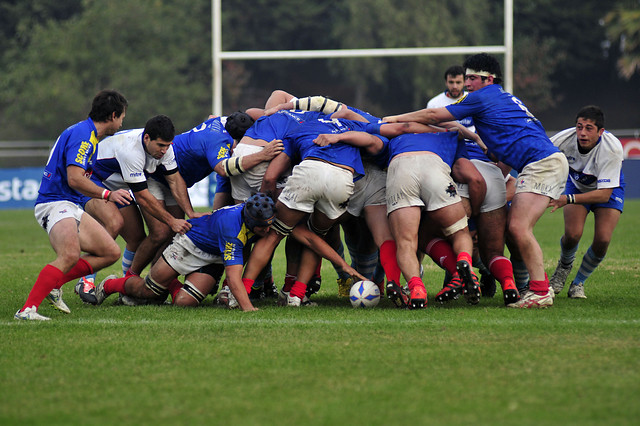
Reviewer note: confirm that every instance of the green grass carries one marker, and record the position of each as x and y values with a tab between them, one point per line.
576	363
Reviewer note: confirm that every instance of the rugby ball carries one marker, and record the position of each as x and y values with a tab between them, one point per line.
364	294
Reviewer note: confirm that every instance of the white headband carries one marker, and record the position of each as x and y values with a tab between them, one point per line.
480	73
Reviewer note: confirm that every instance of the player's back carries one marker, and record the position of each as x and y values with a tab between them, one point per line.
200	149
278	125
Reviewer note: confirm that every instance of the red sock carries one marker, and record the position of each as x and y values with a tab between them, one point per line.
389	261
131	273
115	285
464	256
500	267
48	278
289	280
540	287
299	289
318	268
174	287
442	253
80	269
247	284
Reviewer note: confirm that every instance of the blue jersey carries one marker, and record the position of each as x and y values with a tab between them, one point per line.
199	150
75	147
445	144
222	233
278	125
370	118
505	125
475	152
299	145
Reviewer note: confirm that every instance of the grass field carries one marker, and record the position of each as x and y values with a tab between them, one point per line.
575	363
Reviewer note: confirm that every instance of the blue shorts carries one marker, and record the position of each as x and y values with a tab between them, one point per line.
616	201
98	182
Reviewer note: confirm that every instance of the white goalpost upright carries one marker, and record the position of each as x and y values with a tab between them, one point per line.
218	55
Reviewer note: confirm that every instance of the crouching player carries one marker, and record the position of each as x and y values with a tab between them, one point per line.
218	238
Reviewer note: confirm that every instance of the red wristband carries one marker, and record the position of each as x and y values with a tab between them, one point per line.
105	194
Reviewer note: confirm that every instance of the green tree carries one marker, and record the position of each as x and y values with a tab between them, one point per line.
157	53
623	26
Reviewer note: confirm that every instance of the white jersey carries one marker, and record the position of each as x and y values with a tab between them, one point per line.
121	159
442	100
599	168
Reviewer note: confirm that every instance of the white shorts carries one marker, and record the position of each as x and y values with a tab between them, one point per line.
249	182
185	257
318	185
545	177
496	196
161	192
48	214
421	180
369	190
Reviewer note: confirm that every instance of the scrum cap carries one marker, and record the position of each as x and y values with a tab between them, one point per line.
259	210
238	123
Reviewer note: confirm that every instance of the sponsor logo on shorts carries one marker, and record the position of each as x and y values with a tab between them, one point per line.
451	190
136	174
394	199
542	188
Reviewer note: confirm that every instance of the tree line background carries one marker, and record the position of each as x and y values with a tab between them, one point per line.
56	54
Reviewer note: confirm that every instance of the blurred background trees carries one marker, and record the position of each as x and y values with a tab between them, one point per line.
56	54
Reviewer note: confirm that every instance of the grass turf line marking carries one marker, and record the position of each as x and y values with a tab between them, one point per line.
293	321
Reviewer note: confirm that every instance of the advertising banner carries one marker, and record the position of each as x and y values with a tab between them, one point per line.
19	189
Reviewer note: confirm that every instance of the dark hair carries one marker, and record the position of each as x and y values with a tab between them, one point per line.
453	71
237	124
593	113
105	103
484	62
160	127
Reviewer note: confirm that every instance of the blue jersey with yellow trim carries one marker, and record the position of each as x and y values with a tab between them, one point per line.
200	149
222	233
75	147
444	144
505	125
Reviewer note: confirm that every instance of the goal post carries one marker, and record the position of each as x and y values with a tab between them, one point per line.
218	55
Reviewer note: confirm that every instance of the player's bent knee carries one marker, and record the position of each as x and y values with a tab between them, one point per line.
189	295
316	230
282	228
154	286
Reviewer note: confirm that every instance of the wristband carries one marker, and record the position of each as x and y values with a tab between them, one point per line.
571	199
105	194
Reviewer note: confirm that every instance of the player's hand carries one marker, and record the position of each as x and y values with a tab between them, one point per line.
196	214
390	119
326	139
355	275
121	196
272	149
557	204
180	226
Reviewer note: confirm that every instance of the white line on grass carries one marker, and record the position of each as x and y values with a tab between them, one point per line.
364	321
